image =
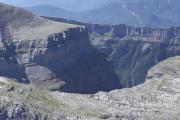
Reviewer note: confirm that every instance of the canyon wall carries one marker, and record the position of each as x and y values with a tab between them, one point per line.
74	58
132	50
64	60
51	55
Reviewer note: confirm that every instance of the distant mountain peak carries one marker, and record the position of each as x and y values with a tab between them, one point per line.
137	13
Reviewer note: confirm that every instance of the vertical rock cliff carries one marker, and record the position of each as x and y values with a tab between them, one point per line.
72	58
51	55
134	51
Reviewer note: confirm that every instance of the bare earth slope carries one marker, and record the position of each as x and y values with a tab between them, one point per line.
158	98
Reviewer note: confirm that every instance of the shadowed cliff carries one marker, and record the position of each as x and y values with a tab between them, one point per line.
132	50
52	55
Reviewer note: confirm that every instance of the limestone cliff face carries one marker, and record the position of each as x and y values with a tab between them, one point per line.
76	58
134	51
51	55
8	62
71	58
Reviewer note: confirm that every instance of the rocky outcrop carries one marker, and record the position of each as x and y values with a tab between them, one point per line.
51	55
24	102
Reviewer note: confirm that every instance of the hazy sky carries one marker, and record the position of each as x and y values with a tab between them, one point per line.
75	5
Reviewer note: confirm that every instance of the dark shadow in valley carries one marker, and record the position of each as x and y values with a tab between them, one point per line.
83	68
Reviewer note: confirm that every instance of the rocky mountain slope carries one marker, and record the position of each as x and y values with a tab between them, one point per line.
157	98
76	58
60	52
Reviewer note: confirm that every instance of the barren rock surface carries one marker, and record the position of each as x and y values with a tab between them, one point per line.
157	98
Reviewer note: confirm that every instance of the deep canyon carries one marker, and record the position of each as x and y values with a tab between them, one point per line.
58	69
85	58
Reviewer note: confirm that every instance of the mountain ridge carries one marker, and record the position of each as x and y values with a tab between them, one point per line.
143	13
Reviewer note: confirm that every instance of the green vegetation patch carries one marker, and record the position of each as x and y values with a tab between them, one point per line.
42	97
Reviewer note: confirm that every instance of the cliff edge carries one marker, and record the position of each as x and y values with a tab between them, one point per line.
51	55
